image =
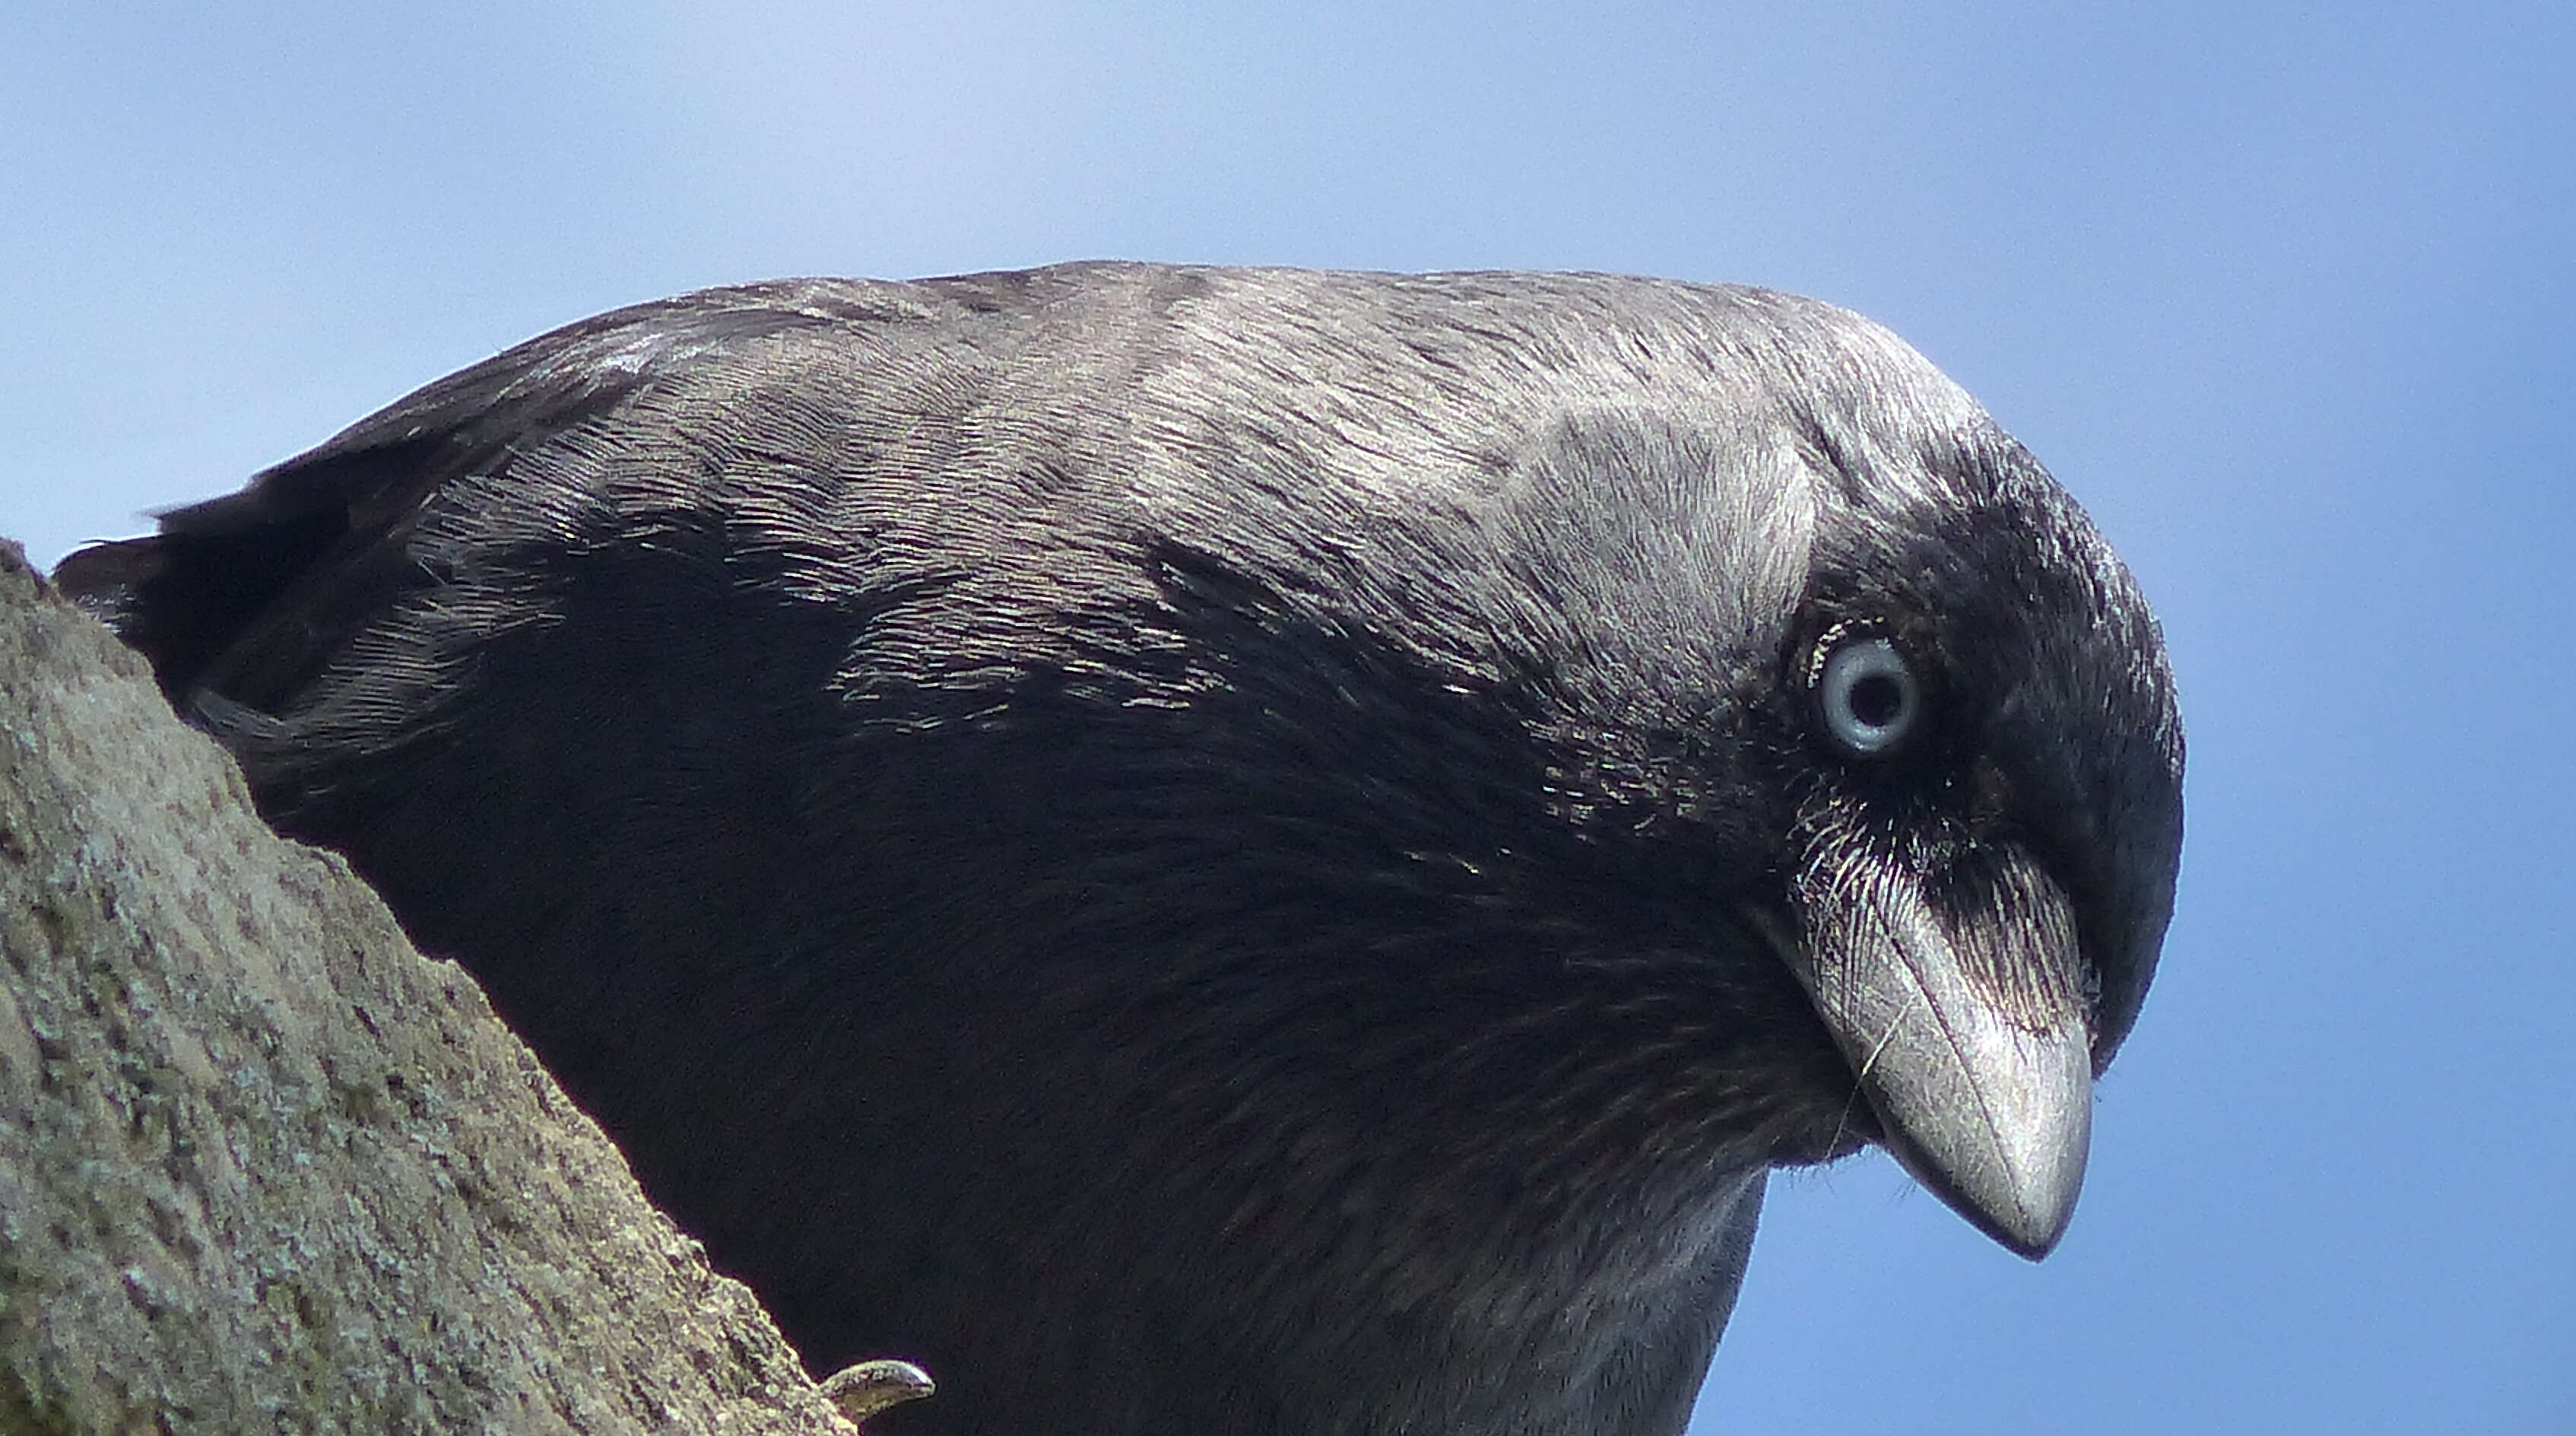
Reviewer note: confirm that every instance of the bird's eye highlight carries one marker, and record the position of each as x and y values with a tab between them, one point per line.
1869	697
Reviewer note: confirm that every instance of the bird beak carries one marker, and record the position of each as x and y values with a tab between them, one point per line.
1965	1031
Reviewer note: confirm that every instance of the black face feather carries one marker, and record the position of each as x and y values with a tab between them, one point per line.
1226	851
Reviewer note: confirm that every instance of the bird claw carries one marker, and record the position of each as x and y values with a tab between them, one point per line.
862	1390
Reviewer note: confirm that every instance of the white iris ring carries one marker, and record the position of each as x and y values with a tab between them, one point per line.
1869	697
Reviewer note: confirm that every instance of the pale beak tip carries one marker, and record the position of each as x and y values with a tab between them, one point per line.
2015	1179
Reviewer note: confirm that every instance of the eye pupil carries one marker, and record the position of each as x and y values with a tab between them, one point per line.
1877	699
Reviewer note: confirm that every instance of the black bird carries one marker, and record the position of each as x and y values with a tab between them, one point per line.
1224	852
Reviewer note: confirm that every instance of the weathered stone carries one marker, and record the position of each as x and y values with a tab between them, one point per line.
265	1167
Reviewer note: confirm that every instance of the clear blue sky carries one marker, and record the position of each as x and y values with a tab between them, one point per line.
2287	295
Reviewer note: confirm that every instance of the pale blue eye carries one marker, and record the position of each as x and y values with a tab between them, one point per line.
1868	697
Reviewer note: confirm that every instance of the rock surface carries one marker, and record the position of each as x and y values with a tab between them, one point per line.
262	1165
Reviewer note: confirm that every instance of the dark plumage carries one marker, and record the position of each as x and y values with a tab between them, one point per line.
1222	851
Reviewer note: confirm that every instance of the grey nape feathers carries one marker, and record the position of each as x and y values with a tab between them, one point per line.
1225	852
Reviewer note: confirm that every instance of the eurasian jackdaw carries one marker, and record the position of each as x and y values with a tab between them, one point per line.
1221	852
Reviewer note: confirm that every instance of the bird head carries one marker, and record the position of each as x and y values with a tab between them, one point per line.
1850	628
